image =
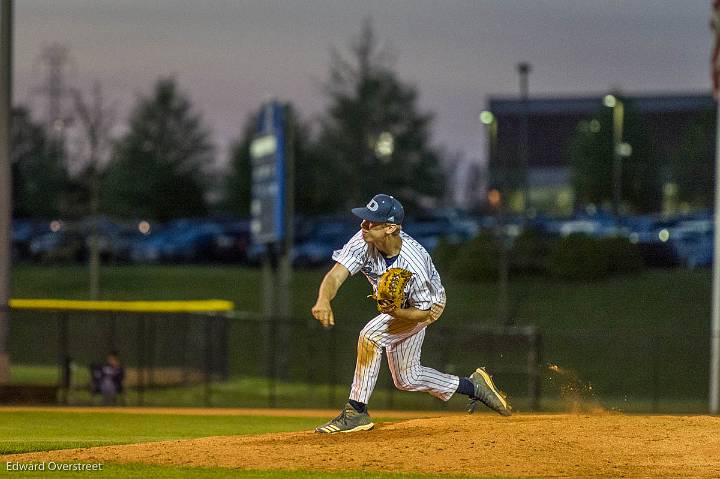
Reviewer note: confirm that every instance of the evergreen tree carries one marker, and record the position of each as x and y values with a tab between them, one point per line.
373	138
39	175
238	184
590	155
158	168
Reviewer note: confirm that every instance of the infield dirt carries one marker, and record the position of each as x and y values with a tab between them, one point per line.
552	445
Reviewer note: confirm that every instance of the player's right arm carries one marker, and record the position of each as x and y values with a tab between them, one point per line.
322	311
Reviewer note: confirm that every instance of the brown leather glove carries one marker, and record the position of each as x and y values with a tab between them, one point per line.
390	291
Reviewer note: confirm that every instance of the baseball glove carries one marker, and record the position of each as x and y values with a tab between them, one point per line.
390	291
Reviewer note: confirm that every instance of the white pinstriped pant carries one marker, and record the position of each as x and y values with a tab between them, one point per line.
403	349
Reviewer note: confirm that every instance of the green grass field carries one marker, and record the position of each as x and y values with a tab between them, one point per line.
42	431
142	471
658	299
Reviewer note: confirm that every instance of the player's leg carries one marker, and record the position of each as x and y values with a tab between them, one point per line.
377	334
371	341
409	375
354	416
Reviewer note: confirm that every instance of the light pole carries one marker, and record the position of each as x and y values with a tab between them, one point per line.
620	149
524	69
497	199
488	119
6	22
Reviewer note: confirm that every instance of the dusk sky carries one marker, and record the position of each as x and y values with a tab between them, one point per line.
231	55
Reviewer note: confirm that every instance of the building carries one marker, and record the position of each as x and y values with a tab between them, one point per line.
551	125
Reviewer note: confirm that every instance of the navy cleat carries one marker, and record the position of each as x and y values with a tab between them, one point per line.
349	420
487	393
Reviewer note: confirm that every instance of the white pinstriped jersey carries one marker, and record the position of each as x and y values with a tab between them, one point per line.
424	288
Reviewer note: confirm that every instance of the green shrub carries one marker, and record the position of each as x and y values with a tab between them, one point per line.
478	259
579	257
576	257
530	252
444	255
623	256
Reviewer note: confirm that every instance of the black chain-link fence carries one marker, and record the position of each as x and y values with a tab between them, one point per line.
243	360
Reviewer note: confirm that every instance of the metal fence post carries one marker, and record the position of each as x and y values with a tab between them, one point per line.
310	371
151	338
208	360
655	371
63	354
491	350
534	368
185	321
112	340
140	387
224	346
272	392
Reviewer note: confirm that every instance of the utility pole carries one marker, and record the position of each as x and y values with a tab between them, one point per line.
96	121
6	14
714	398
497	199
620	149
55	57
715	321
524	70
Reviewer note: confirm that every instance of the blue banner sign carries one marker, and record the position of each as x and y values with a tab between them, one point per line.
267	153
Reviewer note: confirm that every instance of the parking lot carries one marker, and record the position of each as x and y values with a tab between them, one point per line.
678	241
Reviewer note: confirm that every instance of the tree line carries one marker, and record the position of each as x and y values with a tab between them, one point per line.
372	137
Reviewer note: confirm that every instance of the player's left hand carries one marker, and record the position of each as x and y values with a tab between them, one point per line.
322	311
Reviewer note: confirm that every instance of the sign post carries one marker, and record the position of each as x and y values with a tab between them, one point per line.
271	204
271	223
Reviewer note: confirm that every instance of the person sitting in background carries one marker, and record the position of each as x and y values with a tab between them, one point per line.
107	378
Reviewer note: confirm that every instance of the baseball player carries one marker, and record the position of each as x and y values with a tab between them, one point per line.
379	245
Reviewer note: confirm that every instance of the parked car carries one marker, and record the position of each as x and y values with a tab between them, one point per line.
598	226
429	230
314	241
121	244
651	235
232	244
64	245
693	242
315	247
192	245
148	249
23	231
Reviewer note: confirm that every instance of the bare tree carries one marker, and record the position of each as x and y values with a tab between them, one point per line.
95	120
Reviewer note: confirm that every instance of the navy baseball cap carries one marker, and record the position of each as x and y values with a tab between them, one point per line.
381	209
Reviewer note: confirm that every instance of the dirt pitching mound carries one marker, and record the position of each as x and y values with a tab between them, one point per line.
606	445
